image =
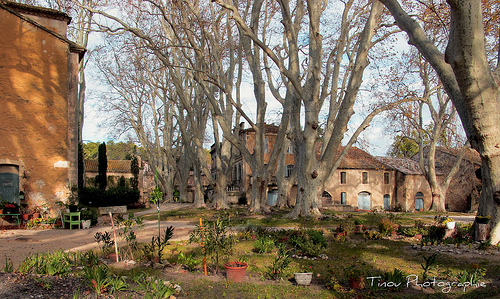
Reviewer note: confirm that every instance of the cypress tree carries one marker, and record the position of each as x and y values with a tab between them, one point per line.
134	168
102	177
81	167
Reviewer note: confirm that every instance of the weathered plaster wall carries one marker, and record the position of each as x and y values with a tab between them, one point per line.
408	187
34	91
354	185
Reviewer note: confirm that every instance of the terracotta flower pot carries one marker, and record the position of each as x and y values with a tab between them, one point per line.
356	283
36	215
26	216
235	271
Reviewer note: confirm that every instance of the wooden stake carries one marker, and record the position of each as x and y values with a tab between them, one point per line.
114	236
203	248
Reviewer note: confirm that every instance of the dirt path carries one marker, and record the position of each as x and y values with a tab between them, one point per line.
17	244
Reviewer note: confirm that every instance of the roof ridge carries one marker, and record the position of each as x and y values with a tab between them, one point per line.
74	47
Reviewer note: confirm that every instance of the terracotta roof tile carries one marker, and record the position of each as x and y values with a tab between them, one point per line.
404	165
120	166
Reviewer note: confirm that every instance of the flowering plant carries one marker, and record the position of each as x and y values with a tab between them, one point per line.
449	219
11	206
26	211
386	227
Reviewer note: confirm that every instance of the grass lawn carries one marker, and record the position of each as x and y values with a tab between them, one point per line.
371	257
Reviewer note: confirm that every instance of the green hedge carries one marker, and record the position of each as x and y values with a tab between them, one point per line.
115	196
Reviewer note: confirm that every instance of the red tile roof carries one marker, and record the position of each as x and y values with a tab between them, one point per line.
121	166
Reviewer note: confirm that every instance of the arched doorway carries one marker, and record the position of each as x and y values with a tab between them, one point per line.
364	201
272	197
419	201
343	198
387	202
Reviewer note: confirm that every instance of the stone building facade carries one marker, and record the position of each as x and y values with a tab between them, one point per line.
39	100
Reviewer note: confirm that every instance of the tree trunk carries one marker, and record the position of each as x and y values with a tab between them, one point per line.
199	200
258	203
438	198
467	56
472	87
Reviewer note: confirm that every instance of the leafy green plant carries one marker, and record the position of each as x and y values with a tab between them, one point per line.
430	263
97	277
215	238
307	242
373	235
153	287
358	221
44	282
471	276
128	233
353	272
396	277
280	263
9	267
436	233
105	241
88	259
56	263
158	244
263	244
117	284
188	261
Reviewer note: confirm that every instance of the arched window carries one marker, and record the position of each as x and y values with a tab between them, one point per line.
343	198
419	201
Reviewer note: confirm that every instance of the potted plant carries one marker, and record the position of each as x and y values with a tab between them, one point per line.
2	205
235	271
355	276
72	200
26	212
450	223
36	211
215	238
358	225
88	217
11	208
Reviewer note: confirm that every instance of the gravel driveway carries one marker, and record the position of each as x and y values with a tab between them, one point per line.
17	244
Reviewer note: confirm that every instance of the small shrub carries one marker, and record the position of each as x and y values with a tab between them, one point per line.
436	233
264	244
216	237
373	235
280	263
187	261
105	241
386	227
97	277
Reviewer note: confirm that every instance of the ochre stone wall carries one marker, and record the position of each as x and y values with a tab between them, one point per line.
34	93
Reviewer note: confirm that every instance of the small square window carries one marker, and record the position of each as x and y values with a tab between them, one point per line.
365	177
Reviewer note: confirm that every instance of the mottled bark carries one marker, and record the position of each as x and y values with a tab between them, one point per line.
465	73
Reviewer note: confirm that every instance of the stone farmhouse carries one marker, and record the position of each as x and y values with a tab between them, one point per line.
38	118
365	182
